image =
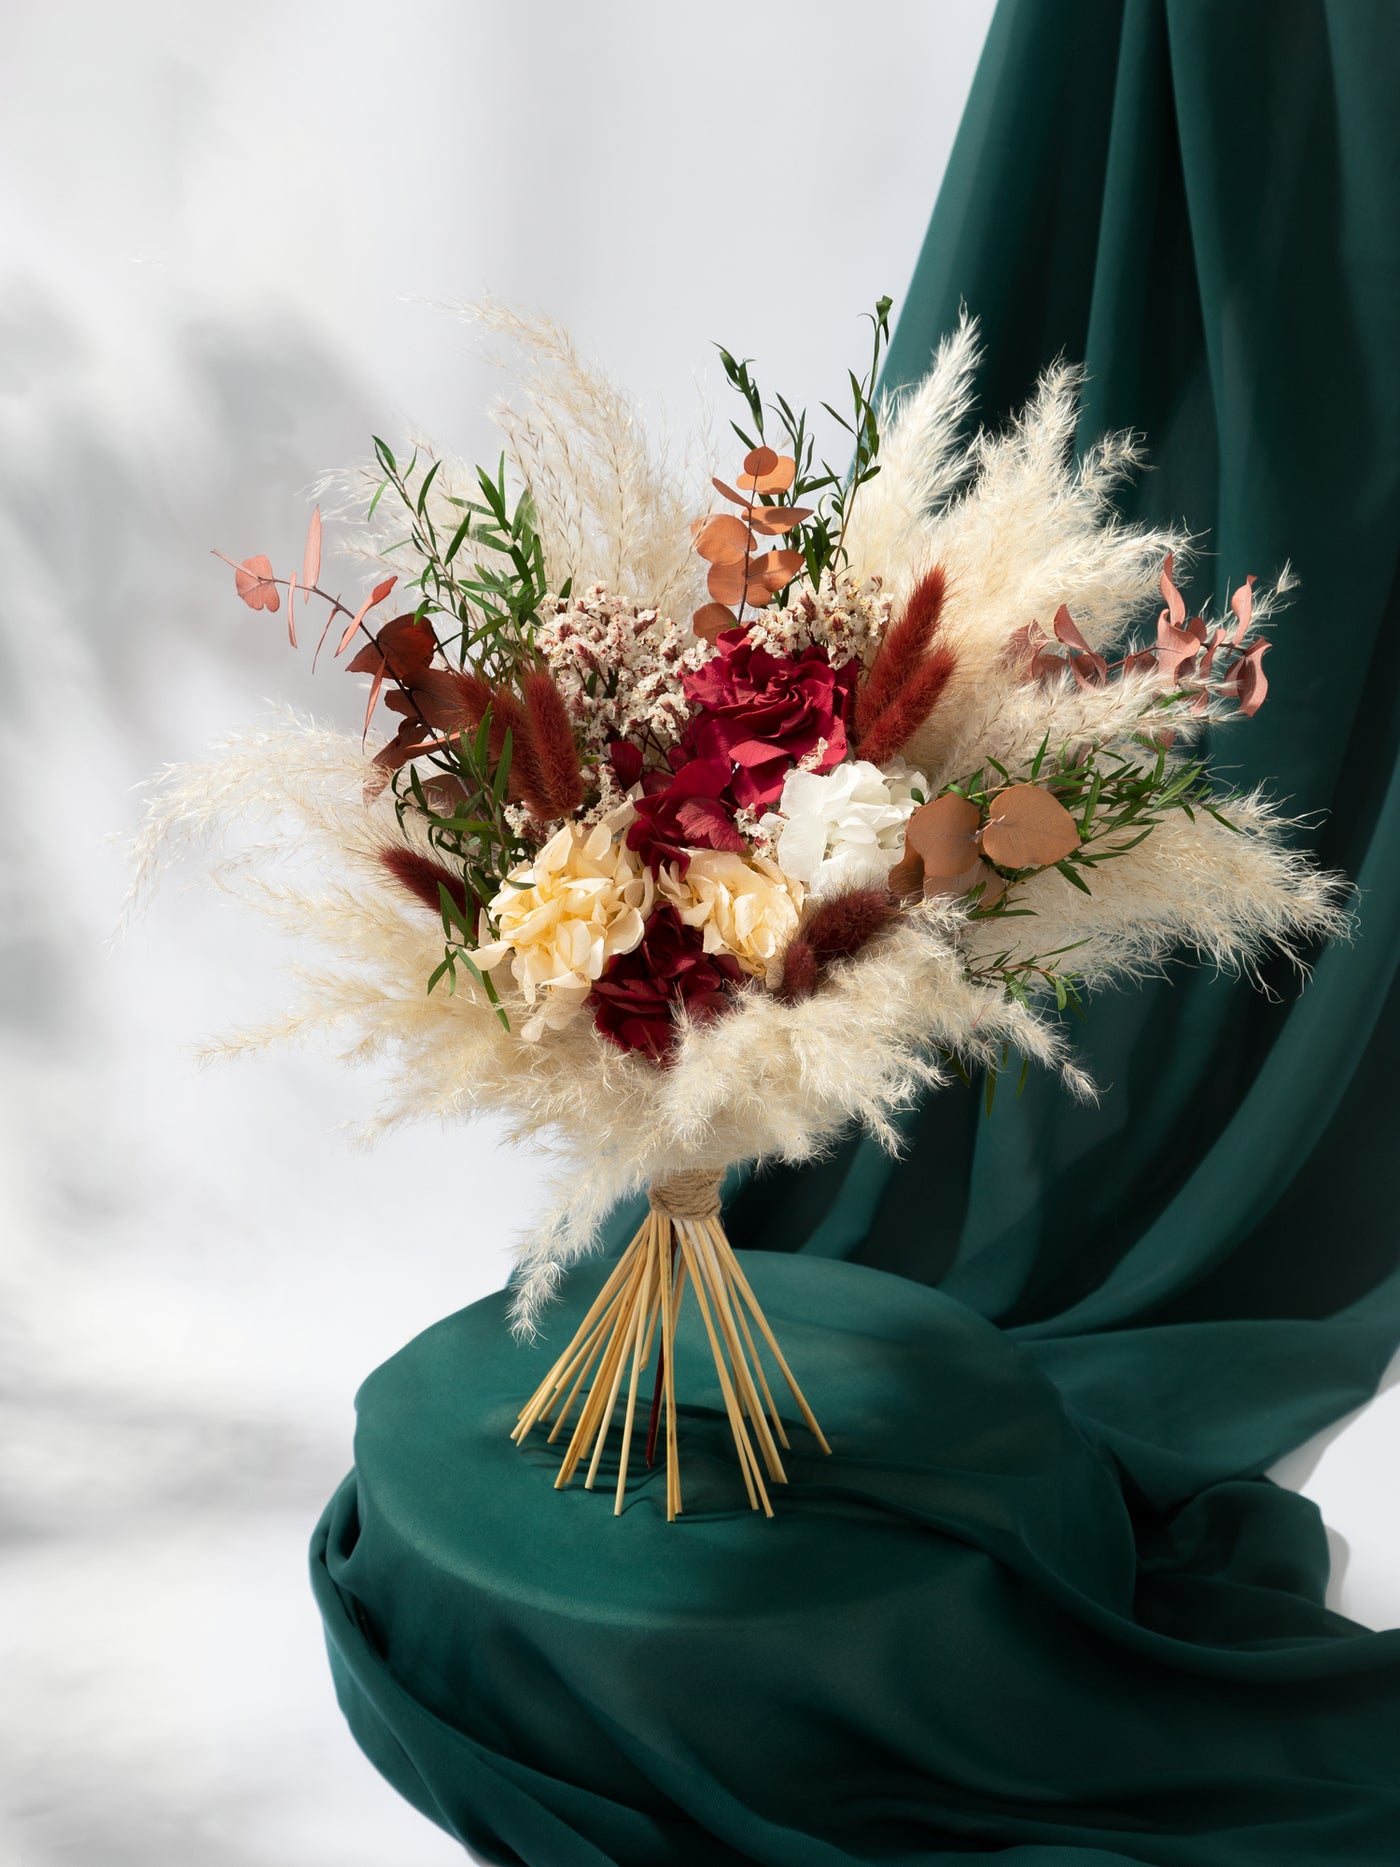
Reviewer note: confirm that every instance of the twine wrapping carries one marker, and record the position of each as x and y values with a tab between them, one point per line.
692	1193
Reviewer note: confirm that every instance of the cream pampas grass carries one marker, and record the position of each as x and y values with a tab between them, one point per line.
610	507
1019	528
767	1081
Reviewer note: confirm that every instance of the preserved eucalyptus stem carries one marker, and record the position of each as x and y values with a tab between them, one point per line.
681	1240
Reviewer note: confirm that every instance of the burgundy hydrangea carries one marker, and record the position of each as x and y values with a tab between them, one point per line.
692	808
765	713
634	1001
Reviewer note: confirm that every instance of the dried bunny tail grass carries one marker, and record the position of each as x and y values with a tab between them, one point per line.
1228	895
609	507
922	459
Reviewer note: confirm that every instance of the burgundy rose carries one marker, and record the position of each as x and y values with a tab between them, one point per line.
765	713
634	1001
688	809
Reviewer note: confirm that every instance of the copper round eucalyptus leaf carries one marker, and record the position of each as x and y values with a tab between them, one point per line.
758	461
725	582
906	878
724	539
740	499
712	621
776	478
1027	828
776	568
943	835
983	875
772	521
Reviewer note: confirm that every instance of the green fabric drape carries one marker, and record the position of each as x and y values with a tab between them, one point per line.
1042	1603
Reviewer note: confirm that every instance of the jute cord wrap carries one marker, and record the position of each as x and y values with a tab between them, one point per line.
681	1242
692	1193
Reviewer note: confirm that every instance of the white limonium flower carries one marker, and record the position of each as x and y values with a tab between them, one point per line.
561	918
743	905
844	828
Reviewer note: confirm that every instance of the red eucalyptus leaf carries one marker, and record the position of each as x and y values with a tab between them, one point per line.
775	569
725	583
1176	603
1248	681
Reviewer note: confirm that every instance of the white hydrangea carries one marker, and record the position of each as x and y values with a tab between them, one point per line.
844	828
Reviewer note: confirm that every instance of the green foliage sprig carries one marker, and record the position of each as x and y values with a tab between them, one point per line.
821	539
1118	798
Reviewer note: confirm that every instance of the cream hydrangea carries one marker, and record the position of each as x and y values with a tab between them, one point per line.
744	905
584	898
844	828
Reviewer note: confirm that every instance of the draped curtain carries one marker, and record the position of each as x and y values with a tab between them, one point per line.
1199	198
1043	1604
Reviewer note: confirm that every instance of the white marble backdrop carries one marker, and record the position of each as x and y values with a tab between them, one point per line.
224	233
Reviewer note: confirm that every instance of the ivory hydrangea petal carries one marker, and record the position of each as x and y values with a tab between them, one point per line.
562	917
745	906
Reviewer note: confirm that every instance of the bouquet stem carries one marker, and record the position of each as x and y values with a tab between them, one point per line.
681	1240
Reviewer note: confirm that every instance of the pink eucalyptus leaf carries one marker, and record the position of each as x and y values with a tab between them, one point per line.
376	595
1175	602
1018	651
1142	661
1249	681
1242	603
1066	632
253	581
311	559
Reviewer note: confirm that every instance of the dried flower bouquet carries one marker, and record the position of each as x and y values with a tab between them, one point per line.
710	826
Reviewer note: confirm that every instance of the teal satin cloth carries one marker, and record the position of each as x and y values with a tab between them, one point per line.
1041	1603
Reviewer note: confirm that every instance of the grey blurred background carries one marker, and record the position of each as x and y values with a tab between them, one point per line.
226	235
